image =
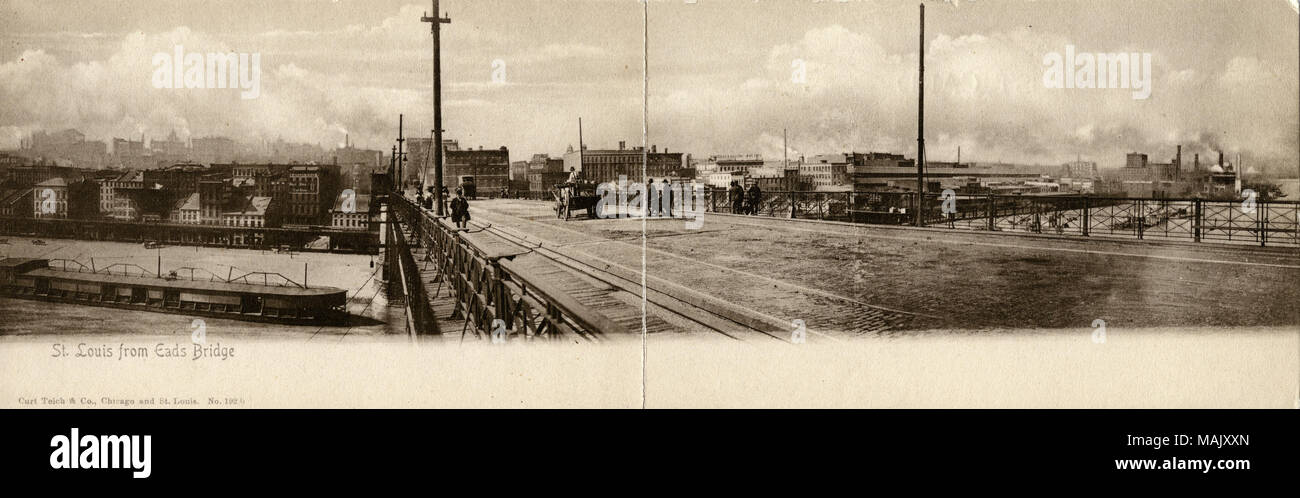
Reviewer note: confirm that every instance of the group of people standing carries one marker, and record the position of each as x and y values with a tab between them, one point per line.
457	205
661	198
744	201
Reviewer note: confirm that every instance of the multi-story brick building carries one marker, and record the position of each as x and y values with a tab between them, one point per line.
16	203
50	199
27	176
606	165
186	210
734	163
59	198
215	195
489	167
826	170
351	216
519	176
112	205
874	160
544	172
246	212
311	190
1082	170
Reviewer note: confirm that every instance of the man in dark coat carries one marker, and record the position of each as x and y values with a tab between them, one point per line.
651	198
755	196
666	198
460	209
737	196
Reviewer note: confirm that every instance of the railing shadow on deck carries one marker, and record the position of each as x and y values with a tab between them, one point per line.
498	298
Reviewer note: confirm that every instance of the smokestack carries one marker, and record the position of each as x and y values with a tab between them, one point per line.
1178	162
1236	174
1196	162
622	144
1220	159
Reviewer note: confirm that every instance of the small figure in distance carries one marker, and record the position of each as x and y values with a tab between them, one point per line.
460	209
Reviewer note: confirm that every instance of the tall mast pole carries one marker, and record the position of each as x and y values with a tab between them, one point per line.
580	146
436	23
401	156
785	159
920	127
424	167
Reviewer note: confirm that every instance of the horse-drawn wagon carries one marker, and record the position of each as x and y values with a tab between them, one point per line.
575	196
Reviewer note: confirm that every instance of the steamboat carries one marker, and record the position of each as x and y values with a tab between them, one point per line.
239	298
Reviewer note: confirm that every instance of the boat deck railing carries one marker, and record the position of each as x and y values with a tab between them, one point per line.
74	266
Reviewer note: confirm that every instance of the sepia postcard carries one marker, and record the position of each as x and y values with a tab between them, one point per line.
649	204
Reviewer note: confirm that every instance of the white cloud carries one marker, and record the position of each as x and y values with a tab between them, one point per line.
983	93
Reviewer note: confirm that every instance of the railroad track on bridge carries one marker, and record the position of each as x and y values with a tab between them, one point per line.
633	299
850	317
608	295
696	310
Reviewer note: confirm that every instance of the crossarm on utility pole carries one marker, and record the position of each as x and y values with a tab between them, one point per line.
435	26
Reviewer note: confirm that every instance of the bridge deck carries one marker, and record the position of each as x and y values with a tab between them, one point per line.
847	280
619	305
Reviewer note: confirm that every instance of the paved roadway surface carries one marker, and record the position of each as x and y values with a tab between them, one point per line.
853	280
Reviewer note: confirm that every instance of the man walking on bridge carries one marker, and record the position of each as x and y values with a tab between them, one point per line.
460	209
737	196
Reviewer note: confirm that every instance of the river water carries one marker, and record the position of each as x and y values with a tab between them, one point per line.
373	319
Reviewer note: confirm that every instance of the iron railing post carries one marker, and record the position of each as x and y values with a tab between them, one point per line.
990	212
1196	220
1141	218
1087	212
1262	216
1038	221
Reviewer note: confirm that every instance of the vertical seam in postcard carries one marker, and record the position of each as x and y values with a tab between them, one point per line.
645	159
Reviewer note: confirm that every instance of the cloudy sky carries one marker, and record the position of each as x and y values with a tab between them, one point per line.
722	74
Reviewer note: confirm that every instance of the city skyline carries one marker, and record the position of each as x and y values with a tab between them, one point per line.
1220	78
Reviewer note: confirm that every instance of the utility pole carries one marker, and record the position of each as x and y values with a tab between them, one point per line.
392	167
580	146
920	127
785	159
424	167
436	23
401	156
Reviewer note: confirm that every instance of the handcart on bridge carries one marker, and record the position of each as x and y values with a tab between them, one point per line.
575	196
